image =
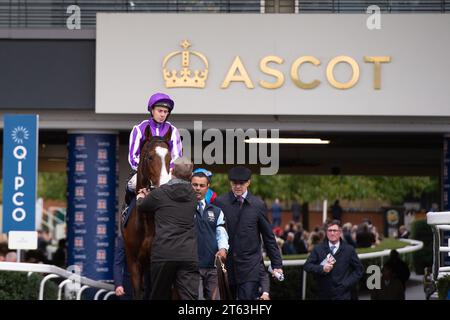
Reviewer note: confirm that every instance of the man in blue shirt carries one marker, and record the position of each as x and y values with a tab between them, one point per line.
211	233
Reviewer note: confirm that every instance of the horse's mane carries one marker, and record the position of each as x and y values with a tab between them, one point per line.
151	142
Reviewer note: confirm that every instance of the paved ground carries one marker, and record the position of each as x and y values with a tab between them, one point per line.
414	289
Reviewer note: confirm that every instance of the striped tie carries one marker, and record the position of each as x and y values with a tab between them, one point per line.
332	248
200	208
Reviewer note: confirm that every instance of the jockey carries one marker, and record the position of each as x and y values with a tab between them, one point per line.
160	106
210	195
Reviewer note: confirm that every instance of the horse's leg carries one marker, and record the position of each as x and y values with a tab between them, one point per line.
136	280
144	265
132	243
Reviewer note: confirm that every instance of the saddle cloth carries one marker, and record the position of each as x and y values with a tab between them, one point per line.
127	210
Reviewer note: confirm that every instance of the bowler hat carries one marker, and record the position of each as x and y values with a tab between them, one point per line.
239	174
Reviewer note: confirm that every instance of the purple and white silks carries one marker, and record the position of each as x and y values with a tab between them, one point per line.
138	134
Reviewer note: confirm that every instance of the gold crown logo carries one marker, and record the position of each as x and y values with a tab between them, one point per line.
186	78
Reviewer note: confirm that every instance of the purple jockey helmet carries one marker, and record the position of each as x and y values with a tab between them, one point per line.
162	100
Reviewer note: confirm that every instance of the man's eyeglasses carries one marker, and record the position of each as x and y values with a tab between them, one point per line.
333	230
201	185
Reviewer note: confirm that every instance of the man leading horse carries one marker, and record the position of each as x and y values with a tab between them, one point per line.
174	255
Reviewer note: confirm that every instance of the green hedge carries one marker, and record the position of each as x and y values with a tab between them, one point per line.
443	287
421	231
20	286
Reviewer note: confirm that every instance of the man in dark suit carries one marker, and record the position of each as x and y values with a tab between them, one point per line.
122	281
335	264
246	222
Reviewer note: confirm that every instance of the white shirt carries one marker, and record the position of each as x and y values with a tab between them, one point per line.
244	195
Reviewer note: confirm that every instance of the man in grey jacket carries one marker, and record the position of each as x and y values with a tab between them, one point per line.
174	256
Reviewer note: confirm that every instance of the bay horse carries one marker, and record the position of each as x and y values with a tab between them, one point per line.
138	234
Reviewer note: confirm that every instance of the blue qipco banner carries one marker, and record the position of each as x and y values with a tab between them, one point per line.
446	194
20	139
92	203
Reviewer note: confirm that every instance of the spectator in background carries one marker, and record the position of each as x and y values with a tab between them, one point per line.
276	213
3	251
434	207
347	234
11	257
391	286
313	240
300	240
43	242
354	232
290	227
409	218
288	245
35	256
278	233
296	211
60	255
336	211
364	238
378	237
403	233
399	267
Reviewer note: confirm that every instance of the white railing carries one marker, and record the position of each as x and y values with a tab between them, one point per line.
82	283
414	245
439	221
56	272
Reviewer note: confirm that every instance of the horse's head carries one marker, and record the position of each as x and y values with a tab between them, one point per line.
154	161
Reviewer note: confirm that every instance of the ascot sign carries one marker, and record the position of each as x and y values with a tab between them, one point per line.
265	65
187	78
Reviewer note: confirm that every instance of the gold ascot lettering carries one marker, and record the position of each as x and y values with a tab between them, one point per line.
271	72
238	72
294	72
377	61
330	72
243	76
197	78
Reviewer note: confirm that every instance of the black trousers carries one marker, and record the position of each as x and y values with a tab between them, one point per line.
246	290
181	275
